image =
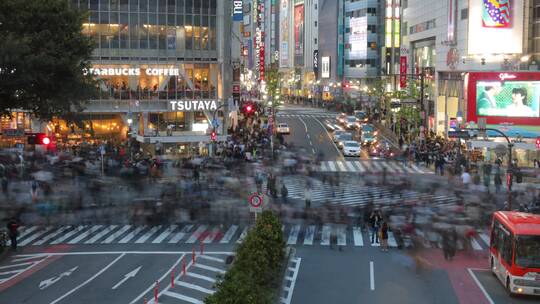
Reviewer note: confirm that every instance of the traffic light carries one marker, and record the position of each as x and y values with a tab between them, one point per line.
213	136
248	108
538	143
39	139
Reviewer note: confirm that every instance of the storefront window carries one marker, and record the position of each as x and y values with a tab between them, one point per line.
171	121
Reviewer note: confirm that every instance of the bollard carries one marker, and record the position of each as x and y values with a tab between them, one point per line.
172	278
184	265
156	291
202	248
193	255
145	301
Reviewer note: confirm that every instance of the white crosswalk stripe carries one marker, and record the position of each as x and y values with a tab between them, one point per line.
164	234
371	165
229	234
195	236
132	234
116	235
180	235
293	235
147	235
46	238
242	235
357	236
341	231
34	236
212	235
86	234
68	235
313	114
101	234
325	236
309	235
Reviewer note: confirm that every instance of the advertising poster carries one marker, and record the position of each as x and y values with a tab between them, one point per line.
508	99
358	38
238	14
325	70
495	27
299	35
284	34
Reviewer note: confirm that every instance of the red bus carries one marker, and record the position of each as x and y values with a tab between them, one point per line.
515	251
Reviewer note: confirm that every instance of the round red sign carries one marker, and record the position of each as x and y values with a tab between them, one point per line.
255	200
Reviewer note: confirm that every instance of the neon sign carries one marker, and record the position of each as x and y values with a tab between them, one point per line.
504	76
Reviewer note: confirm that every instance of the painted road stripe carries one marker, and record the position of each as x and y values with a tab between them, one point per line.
16	265
484	238
371	238
341	166
361	168
332	166
391	239
147	235
357	236
211	258
350	166
371	276
310	234
195	236
164	234
35	236
323	168
229	234
85	234
46	238
180	235
132	234
209	268
341	235
293	235
242	235
194	287
211	236
182	297
26	232
376	166
325	237
104	232
475	244
200	276
116	235
68	235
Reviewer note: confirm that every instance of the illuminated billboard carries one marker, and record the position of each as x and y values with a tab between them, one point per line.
325	64
508	99
284	34
495	27
299	35
358	38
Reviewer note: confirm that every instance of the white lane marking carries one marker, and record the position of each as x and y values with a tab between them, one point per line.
89	280
490	300
195	236
484	238
49	282
293	235
371	276
164	234
29	257
181	297
341	166
105	231
310	234
116	235
195	287
242	235
131	235
31	238
147	235
288	299
332	166
210	268
376	166
200	276
10	272
210	258
305	126
68	235
357	235
391	239
27	231
166	274
16	265
324	167
341	235
372	237
180	235
330	138
127	276
350	166
44	239
229	234
475	244
325	237
118	252
361	168
211	236
85	234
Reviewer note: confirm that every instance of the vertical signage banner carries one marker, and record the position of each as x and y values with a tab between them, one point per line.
316	63
325	63
284	34
358	38
299	35
452	19
403	72
238	14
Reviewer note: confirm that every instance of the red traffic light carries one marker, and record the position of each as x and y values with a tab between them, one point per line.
45	140
538	143
213	136
39	139
249	109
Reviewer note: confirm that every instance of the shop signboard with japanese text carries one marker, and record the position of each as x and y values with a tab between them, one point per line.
299	35
284	27
238	14
358	38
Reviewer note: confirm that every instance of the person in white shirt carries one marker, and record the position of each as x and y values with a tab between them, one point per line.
519	107
466	178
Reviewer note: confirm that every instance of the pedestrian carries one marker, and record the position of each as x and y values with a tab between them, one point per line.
466	178
284	193
497	178
33	190
12	227
258	181
307	197
4	185
375	222
487	175
384	236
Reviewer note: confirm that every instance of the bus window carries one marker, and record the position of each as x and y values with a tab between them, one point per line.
528	251
506	249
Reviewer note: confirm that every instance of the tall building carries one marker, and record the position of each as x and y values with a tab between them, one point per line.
330	48
164	72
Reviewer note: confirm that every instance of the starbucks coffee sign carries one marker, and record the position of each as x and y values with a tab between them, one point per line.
192	105
132	71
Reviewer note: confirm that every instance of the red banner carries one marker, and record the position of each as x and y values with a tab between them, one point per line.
261	58
403	72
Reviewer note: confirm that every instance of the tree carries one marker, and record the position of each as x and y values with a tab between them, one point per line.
42	57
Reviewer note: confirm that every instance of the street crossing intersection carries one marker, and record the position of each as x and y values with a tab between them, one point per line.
371	166
294	234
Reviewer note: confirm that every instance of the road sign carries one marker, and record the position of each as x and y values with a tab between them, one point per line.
255	202
459	134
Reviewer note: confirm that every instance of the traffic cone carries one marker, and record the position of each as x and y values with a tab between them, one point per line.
184	265
145	300
193	255
156	291
202	248
172	278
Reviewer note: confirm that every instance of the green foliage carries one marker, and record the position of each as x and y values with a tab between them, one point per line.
42	56
272	82
254	278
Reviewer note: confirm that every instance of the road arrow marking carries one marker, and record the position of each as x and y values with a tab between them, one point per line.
46	283
127	277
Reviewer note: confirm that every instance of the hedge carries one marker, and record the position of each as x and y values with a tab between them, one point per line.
255	276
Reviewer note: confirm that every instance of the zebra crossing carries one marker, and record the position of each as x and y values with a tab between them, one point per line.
310	115
294	235
356	195
371	166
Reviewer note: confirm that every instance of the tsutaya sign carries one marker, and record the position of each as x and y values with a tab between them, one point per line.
132	71
193	105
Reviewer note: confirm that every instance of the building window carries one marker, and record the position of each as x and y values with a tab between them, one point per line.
315	23
464	13
315	40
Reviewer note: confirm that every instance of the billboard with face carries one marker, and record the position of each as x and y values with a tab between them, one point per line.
508	99
284	28
299	35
